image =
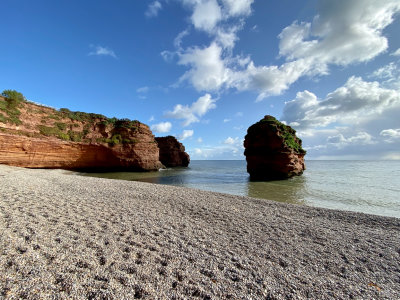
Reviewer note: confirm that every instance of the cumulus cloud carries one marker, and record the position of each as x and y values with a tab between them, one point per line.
162	127
153	9
354	101
191	114
206	15
391	135
227	37
185	134
231	141
343	32
208	71
352	120
238	7
102	51
230	147
340	141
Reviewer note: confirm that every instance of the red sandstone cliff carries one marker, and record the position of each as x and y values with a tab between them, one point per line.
35	136
172	153
273	151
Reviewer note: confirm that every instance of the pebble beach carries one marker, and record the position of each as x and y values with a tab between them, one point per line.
65	236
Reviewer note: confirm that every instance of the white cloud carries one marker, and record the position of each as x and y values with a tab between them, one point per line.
231	141
391	135
231	147
343	32
168	56
206	15
151	119
153	9
352	120
396	53
354	101
101	51
238	7
361	138
179	38
389	75
185	134
199	140
162	127
191	114
227	120
207	71
143	89
227	37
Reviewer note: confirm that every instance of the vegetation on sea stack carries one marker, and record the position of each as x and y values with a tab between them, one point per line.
288	133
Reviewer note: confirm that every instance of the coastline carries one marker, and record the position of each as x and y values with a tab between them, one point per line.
70	236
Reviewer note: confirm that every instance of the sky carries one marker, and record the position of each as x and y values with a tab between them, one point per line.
206	70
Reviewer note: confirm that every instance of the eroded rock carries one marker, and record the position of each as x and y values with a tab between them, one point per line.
273	151
172	152
36	136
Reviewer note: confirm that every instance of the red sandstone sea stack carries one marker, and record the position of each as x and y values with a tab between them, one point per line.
172	153
273	151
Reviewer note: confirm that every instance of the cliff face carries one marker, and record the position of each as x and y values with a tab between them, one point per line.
35	136
273	151
172	153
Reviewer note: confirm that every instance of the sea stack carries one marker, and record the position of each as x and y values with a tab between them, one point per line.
273	151
172	153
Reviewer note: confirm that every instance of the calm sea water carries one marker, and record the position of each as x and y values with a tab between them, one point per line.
364	186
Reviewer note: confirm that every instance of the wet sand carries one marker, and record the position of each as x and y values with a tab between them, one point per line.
64	236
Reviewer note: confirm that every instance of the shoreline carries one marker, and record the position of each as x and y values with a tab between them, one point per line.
71	236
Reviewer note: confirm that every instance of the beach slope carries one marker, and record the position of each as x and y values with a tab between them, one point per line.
65	236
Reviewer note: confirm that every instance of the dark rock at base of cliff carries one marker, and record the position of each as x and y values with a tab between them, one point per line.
273	151
172	153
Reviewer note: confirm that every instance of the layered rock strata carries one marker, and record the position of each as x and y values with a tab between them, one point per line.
36	136
172	152
273	151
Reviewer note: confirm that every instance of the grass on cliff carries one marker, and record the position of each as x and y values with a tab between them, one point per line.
13	100
288	133
10	113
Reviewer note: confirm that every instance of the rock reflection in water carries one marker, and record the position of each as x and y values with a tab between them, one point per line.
289	191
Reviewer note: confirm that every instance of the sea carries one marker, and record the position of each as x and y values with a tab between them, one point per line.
371	187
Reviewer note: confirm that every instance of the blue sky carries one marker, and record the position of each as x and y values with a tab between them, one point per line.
205	70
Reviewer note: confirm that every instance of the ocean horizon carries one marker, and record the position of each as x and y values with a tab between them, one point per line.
367	186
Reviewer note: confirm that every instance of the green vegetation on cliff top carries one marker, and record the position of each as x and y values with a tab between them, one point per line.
10	113
10	107
288	133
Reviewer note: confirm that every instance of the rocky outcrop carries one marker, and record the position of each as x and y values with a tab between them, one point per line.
172	153
273	151
36	136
